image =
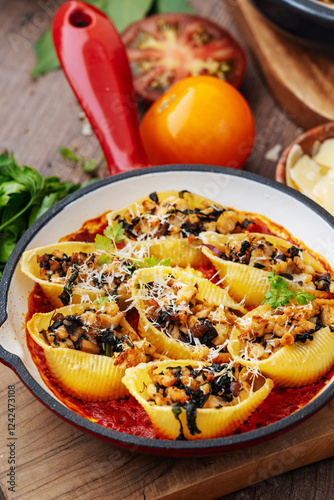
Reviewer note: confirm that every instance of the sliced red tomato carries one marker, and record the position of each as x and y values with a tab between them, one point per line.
166	48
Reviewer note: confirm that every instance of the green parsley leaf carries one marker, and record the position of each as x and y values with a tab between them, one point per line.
280	294
101	301
88	166
103	243
104	259
151	261
68	154
165	262
115	232
304	297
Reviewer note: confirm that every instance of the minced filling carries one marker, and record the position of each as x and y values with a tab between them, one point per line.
173	217
84	270
173	308
265	334
257	252
211	386
99	331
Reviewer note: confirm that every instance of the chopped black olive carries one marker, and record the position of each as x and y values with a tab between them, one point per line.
244	247
287	276
99	280
245	223
154	197
293	252
323	282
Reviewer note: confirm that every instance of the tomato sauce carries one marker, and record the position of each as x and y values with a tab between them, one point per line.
129	417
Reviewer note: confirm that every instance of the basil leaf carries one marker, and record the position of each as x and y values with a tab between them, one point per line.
173	6
47	58
124	13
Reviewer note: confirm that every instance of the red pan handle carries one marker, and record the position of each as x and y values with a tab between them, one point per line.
94	61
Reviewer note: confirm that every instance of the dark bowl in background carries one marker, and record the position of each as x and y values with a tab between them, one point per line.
308	21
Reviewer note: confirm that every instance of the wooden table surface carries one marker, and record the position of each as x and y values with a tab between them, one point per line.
39	116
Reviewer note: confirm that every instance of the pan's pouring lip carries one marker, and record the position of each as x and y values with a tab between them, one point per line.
136	443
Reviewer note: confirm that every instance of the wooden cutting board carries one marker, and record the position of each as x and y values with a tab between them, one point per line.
54	460
301	79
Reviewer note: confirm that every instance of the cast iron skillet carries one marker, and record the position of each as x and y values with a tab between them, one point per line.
308	21
83	36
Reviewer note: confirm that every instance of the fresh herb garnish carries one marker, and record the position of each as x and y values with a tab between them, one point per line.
165	262
280	293
151	261
114	235
107	242
101	301
88	166
24	196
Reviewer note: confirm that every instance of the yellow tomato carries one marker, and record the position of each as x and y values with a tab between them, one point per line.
199	120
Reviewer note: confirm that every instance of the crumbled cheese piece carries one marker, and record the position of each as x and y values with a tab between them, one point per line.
273	153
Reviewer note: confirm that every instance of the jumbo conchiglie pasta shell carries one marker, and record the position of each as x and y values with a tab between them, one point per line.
207	290
90	377
212	422
194	201
247	282
178	250
31	268
291	366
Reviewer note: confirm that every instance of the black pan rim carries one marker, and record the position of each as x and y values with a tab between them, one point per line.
136	443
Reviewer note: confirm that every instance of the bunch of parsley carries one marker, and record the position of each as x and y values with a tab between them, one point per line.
24	196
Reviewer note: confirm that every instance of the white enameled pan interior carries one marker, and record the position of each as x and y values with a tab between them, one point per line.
303	219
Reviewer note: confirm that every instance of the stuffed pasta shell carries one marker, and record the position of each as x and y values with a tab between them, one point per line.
88	348
183	314
180	216
70	272
293	344
244	262
194	400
